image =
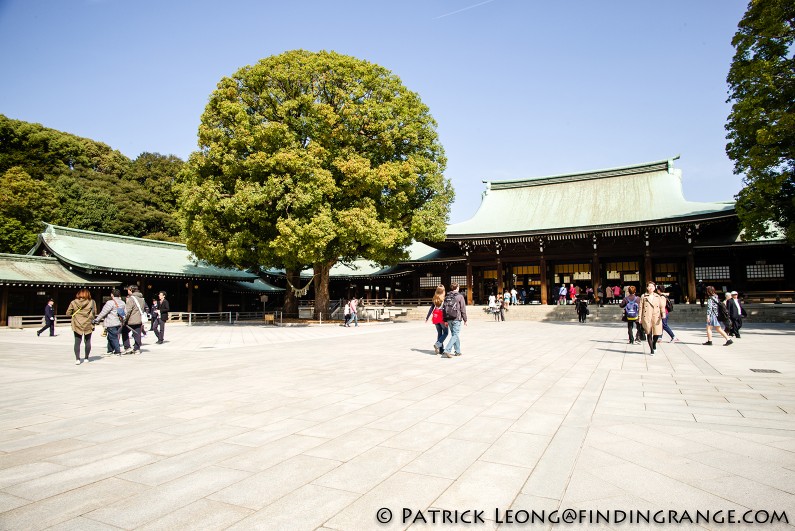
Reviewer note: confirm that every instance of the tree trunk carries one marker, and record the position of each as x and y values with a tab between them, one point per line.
290	308
322	298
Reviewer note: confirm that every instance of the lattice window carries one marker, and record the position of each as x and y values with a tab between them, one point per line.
526	270
461	280
759	271
492	273
430	282
573	268
713	273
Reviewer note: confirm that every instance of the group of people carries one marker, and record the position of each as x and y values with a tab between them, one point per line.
120	318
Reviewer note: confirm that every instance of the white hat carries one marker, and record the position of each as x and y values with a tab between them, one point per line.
734	293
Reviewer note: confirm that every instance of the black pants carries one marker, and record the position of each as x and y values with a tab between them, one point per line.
49	324
736	325
136	333
630	325
79	338
652	339
159	326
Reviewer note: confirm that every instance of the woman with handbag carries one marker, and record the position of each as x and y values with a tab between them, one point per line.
652	309
714	311
82	310
112	313
435	311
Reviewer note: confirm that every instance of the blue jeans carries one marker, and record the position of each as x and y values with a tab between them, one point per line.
667	328
113	339
441	334
454	345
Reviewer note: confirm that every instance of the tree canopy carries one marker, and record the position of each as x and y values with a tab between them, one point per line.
761	126
311	158
94	187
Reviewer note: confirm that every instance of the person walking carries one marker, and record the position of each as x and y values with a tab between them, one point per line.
112	314
631	306
82	310
436	312
727	324
153	315
616	294
455	311
736	313
514	300
714	312
134	308
609	295
669	307
49	318
354	304
562	294
161	316
652	309
346	312
700	292
572	294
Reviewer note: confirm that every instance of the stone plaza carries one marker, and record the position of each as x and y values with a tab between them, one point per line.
325	427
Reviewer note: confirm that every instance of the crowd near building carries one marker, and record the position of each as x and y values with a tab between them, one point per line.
613	227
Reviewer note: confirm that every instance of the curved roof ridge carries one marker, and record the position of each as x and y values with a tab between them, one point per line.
93	235
658	165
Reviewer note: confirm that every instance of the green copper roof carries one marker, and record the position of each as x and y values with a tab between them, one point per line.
95	252
629	195
16	269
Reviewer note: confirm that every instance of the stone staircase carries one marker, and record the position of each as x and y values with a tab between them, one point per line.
683	313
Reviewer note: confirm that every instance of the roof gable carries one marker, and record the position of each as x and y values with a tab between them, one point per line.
97	251
629	195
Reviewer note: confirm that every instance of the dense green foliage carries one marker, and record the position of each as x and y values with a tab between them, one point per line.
312	158
94	187
762	122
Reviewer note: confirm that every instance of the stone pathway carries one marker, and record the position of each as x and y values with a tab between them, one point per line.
253	427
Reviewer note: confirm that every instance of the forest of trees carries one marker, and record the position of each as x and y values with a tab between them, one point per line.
55	177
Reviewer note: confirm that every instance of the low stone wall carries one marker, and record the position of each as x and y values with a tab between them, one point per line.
683	313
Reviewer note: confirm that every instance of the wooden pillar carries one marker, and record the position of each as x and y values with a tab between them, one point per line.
4	306
500	290
595	273
691	276
649	273
470	282
190	296
544	288
220	299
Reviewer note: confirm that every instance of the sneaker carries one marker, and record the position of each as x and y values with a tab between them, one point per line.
631	342
675	340
436	349
652	353
38	333
159	341
457	353
78	362
446	355
707	343
729	342
637	341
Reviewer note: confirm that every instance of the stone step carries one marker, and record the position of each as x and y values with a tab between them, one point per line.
683	313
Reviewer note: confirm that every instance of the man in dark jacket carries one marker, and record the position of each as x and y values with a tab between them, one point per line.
455	311
161	316
49	318
736	314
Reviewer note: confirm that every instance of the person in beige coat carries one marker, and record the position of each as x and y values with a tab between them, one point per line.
652	309
83	310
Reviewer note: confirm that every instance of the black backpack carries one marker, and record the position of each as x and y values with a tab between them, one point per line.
723	312
450	307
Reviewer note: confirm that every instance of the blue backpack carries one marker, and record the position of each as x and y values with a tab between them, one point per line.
119	310
631	309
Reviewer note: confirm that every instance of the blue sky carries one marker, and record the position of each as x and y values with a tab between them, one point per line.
518	88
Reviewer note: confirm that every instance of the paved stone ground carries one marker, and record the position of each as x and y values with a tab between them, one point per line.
249	427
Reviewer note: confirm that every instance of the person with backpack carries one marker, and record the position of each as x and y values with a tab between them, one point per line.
716	312
455	312
82	310
669	307
631	305
436	312
652	309
112	315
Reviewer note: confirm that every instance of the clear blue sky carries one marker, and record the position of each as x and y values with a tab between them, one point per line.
518	88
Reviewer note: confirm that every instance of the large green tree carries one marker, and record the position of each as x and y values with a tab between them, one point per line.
310	159
761	125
